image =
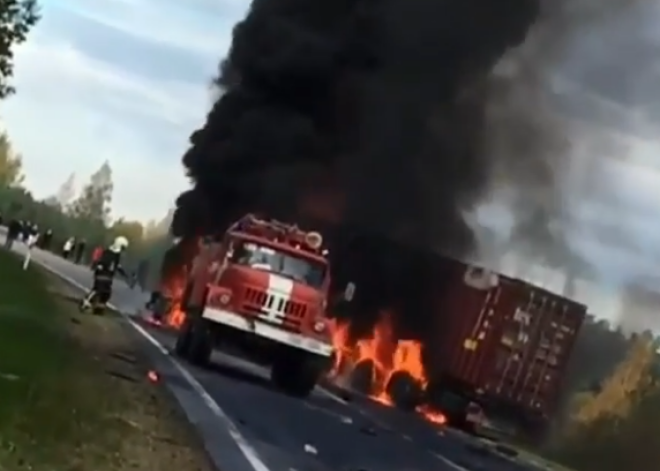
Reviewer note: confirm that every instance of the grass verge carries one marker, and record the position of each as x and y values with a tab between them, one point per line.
73	388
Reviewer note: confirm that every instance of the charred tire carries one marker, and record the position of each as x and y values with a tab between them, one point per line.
297	373
362	377
404	390
201	342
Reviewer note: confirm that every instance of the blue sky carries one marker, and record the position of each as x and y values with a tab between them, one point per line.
119	80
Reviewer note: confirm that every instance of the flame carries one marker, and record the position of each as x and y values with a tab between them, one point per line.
174	271
388	355
172	288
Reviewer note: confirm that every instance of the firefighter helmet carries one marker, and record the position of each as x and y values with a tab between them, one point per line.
119	244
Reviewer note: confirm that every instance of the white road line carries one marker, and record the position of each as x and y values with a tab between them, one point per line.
330	395
248	450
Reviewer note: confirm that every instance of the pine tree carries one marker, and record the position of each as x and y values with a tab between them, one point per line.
94	202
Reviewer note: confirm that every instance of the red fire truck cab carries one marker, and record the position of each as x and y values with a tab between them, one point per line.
261	289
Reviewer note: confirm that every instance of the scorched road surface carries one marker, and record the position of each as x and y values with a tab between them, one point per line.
324	432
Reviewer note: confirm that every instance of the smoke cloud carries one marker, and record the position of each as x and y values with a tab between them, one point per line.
383	101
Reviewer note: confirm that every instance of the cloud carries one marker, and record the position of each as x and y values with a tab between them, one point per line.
120	80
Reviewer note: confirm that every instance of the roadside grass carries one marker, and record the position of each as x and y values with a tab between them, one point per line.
73	391
45	407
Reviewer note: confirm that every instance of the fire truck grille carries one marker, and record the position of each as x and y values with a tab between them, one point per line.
262	304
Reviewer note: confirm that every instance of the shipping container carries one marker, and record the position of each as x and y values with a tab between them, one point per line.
486	337
504	340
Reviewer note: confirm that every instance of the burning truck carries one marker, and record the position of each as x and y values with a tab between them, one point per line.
468	342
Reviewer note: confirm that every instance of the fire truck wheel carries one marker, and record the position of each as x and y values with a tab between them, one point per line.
296	373
182	345
201	342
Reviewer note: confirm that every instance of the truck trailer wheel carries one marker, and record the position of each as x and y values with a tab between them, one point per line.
362	377
405	391
296	373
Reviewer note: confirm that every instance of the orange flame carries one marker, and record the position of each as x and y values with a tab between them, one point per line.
388	355
172	288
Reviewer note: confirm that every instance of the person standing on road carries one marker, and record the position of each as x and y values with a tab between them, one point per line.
13	231
45	239
96	254
30	241
104	270
79	250
68	247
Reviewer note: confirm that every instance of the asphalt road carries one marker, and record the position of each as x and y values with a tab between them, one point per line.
275	432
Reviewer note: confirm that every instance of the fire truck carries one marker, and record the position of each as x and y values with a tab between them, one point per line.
261	289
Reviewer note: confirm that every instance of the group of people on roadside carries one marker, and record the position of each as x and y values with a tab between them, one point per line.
73	249
29	233
22	231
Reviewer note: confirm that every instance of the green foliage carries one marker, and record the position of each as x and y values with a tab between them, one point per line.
617	427
132	230
11	164
17	17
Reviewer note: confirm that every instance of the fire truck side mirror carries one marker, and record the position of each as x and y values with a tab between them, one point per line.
349	292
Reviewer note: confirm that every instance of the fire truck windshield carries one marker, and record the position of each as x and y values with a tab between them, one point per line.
264	258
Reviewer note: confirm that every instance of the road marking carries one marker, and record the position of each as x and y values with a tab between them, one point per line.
449	463
248	450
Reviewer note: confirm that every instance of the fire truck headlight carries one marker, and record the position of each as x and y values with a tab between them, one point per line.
319	326
225	298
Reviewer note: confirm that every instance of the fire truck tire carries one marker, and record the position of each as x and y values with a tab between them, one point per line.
296	373
182	345
201	342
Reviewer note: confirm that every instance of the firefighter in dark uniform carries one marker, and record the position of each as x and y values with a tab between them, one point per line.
104	269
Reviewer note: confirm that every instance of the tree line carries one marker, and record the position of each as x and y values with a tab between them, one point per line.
84	215
611	419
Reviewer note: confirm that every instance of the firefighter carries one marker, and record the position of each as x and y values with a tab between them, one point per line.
104	269
68	247
96	254
13	231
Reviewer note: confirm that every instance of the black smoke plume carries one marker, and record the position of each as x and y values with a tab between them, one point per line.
387	97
